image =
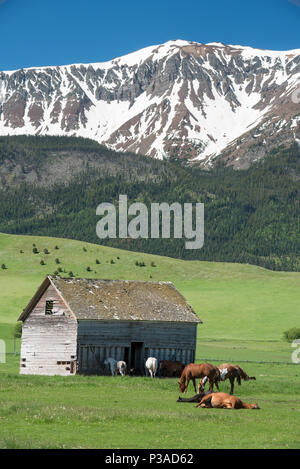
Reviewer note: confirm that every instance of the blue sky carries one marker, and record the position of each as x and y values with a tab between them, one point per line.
56	32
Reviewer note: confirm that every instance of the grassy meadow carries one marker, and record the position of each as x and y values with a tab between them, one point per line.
245	310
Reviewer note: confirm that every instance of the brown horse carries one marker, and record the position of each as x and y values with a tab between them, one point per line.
206	371
171	368
221	400
233	372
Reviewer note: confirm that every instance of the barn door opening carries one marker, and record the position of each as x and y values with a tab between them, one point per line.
136	357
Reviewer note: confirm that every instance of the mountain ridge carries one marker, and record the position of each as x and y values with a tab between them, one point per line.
182	99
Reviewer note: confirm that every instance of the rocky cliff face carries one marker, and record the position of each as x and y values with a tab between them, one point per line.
180	99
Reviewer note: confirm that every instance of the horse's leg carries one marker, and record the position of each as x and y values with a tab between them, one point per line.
205	402
186	384
231	385
217	385
200	386
194	383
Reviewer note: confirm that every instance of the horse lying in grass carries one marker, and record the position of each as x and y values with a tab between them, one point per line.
206	371
233	372
196	398
222	400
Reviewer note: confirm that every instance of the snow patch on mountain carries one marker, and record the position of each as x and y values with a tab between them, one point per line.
179	99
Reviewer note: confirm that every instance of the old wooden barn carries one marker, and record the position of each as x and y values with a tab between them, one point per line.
71	325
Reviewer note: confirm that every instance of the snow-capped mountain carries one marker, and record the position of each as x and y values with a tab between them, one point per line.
179	99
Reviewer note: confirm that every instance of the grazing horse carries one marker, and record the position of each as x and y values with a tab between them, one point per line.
171	368
206	371
112	364
121	367
151	366
222	400
233	372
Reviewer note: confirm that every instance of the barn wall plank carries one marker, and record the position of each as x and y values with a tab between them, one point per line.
103	339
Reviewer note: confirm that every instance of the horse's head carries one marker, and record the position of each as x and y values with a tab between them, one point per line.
223	373
255	406
201	384
181	385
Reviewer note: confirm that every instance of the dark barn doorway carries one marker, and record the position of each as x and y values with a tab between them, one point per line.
136	357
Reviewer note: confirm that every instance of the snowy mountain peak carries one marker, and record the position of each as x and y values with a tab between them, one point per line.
178	99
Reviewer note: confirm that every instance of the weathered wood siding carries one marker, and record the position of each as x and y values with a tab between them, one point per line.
98	340
49	342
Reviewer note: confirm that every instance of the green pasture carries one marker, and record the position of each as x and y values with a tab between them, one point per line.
137	412
245	310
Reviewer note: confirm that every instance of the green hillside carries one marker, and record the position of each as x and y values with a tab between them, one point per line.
236	302
51	186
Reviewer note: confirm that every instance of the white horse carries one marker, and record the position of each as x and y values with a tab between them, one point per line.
112	364
121	367
151	366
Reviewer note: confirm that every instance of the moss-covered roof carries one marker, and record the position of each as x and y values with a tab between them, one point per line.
127	300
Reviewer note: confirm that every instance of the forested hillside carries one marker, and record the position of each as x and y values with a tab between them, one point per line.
52	186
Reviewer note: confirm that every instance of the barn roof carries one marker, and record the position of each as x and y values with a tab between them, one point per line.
121	300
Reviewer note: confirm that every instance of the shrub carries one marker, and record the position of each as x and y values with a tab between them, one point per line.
3	266
112	261
17	332
35	250
71	274
46	251
57	261
88	269
42	262
153	264
97	261
292	334
56	247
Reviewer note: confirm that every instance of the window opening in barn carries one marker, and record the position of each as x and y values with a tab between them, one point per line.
49	307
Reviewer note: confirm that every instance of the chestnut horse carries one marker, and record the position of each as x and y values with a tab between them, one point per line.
233	372
203	370
222	400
